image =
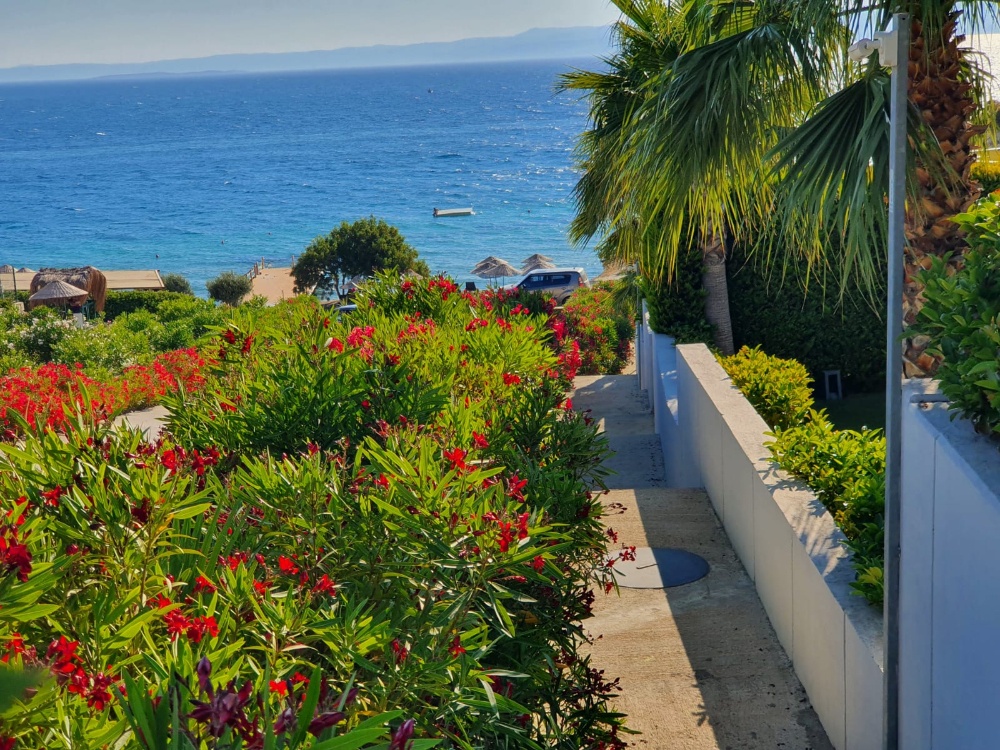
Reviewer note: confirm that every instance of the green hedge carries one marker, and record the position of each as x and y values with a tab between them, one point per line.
118	303
678	308
787	322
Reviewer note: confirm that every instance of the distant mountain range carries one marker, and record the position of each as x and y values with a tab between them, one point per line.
536	44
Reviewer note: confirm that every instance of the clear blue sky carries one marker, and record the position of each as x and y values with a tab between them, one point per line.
44	32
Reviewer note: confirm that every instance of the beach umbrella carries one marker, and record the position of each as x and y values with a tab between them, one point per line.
497	270
536	262
537	257
58	293
7	268
24	269
486	263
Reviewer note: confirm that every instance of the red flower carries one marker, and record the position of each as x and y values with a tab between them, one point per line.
522	526
382	482
480	441
200	626
325	586
456	456
506	536
286	565
203	586
400	651
247	344
538	563
177	623
52	496
335	345
230	337
515	488
511	379
169	459
280	687
456	649
14	555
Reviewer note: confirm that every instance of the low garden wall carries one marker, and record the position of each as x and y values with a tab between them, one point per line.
787	541
949	580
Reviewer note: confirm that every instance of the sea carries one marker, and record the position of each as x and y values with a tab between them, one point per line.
202	174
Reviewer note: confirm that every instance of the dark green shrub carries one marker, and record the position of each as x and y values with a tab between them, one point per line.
787	321
778	388
229	288
174	282
961	315
678	308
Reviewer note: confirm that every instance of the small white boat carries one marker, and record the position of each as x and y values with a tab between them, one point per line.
453	211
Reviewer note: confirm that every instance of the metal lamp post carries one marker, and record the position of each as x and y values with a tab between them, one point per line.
893	47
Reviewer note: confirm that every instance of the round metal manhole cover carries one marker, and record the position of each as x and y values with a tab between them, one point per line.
660	568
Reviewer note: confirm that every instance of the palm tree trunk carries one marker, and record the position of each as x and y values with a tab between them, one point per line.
716	287
939	89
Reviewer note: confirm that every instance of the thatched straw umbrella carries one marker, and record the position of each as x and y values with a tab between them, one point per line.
535	258
497	270
24	269
536	262
87	278
486	263
58	294
6	268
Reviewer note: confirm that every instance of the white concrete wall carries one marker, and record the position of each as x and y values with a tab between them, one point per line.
949	582
789	546
657	367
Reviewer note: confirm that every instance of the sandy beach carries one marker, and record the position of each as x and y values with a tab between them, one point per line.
275	284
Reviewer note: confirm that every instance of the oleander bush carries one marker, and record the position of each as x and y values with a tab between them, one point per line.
360	531
603	334
845	468
961	317
52	396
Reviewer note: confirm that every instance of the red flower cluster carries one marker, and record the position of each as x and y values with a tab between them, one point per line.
195	628
51	393
66	664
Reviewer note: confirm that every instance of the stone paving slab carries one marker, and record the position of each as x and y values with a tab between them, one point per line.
700	666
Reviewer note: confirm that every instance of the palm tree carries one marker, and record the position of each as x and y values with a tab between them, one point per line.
650	37
762	123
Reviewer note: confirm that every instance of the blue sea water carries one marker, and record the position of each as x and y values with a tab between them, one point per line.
213	173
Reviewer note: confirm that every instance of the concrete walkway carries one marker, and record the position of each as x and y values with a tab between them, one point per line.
700	666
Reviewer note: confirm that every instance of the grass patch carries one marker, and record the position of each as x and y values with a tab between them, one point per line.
857	412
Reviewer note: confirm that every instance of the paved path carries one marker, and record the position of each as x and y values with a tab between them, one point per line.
700	666
150	421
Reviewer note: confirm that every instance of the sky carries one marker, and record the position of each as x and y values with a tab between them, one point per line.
50	32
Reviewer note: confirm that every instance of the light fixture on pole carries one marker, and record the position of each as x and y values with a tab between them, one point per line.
893	48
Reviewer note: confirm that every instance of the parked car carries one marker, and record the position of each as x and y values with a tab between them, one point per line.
557	282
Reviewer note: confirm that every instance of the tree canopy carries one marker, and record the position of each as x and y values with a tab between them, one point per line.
229	288
358	249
